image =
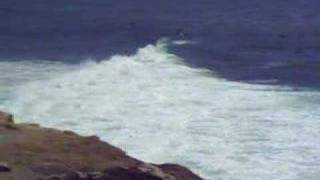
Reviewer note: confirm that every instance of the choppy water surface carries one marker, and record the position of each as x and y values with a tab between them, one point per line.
160	109
237	97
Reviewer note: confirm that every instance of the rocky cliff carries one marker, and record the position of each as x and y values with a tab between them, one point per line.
31	152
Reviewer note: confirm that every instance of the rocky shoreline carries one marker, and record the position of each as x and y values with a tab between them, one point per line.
32	152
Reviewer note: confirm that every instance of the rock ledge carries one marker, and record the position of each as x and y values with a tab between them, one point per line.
29	151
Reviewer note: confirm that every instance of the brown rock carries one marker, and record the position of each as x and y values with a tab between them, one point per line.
71	176
93	138
49	169
6	121
67	132
54	177
128	174
154	170
95	175
6	117
82	175
179	172
35	152
33	124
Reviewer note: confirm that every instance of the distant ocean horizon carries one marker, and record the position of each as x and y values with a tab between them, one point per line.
229	89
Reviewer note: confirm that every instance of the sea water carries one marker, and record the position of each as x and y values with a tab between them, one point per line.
156	107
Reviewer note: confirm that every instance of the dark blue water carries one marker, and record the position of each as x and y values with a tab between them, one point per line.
253	41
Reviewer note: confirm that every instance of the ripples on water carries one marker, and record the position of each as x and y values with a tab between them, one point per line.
159	109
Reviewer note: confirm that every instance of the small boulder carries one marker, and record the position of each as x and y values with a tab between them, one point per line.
4	167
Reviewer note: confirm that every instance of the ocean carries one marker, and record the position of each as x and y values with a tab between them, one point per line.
229	89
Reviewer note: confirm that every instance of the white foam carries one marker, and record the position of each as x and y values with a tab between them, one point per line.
182	42
158	109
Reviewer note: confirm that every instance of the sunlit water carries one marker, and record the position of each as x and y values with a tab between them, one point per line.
159	109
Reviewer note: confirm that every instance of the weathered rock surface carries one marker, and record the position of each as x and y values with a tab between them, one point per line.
31	152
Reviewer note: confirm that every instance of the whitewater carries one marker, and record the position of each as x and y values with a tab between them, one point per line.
159	109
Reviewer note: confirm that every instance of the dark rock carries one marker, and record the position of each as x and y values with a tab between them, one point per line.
10	126
86	169
49	169
4	167
179	172
128	174
154	170
66	176
71	176
95	175
93	138
82	175
71	133
33	124
54	177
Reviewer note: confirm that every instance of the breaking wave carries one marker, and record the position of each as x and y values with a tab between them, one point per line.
159	109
